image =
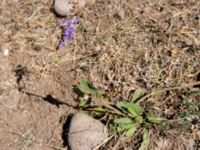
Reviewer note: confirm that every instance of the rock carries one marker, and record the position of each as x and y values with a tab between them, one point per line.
85	133
67	7
63	7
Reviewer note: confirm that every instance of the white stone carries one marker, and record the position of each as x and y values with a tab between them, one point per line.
5	50
63	7
85	133
67	7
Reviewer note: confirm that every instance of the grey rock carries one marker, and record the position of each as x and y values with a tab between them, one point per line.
85	133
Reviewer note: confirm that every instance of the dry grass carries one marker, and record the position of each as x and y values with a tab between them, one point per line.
157	49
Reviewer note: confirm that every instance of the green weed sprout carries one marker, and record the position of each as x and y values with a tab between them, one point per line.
124	117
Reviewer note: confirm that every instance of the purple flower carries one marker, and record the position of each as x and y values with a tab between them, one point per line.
61	44
66	23
68	30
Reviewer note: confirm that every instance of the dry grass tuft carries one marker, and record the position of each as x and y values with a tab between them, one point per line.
153	45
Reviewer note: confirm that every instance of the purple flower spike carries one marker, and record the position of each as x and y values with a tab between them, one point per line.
66	23
68	30
70	23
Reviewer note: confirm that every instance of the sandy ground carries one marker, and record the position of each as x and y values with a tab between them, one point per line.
118	45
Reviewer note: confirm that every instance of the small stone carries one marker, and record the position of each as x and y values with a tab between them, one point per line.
85	133
67	7
63	7
5	50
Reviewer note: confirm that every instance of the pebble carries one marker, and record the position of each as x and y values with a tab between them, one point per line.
85	132
5	50
63	7
67	7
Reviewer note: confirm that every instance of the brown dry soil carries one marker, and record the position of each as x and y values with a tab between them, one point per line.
118	45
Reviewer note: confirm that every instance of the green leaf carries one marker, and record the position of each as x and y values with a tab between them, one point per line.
131	131
137	94
124	120
154	119
86	87
123	127
84	103
194	92
125	124
133	109
96	113
128	129
139	119
145	138
98	109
